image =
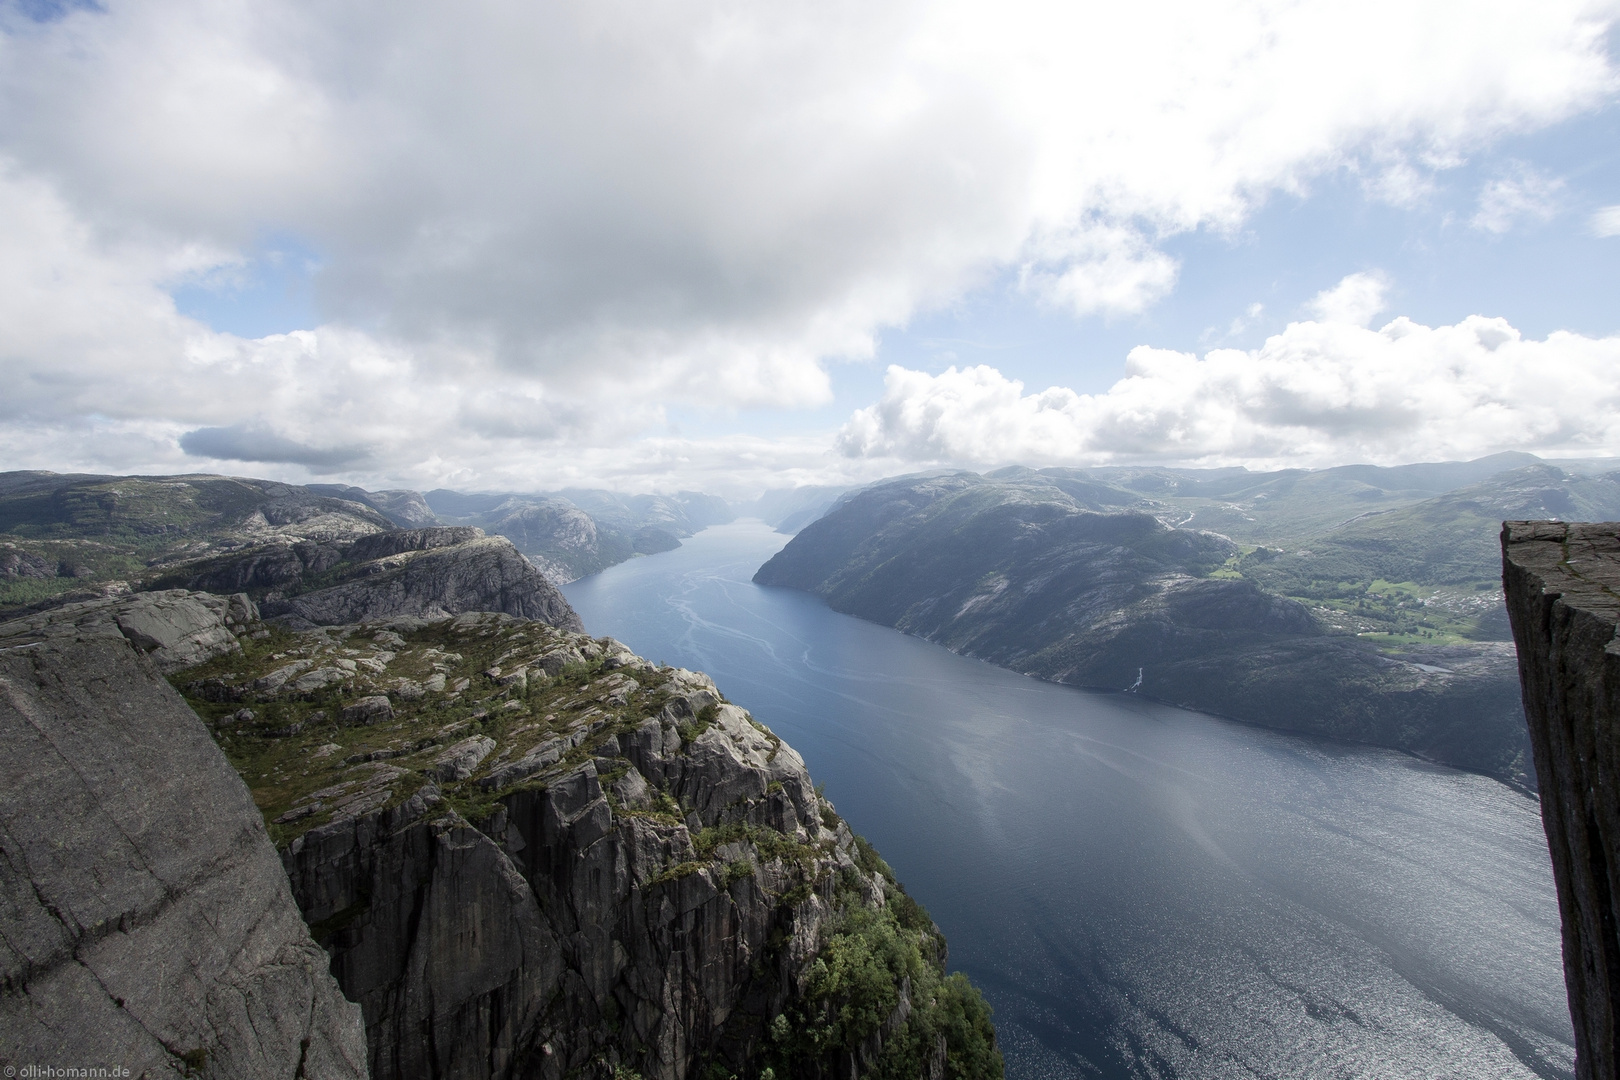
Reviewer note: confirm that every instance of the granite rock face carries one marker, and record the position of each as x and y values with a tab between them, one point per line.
1563	593
557	859
580	924
18	565
400	541
480	574
144	918
431	573
176	628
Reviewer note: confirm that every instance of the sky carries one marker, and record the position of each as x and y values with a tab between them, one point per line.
730	246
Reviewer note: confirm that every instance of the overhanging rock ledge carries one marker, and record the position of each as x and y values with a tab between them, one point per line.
1562	582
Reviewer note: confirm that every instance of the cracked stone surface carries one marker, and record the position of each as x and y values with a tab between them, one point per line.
144	915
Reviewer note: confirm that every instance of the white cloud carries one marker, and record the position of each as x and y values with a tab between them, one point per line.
1098	269
1319	393
539	223
1399	183
1356	300
1606	221
1519	194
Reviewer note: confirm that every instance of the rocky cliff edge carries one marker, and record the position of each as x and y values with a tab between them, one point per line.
532	853
1563	594
403	572
525	851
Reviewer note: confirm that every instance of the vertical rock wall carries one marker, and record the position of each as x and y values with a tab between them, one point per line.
1563	596
561	931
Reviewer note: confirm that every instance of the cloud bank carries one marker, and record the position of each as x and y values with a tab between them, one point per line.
1322	392
537	225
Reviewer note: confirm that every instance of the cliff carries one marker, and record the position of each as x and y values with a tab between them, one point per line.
146	920
1563	592
531	853
404	572
525	852
1055	579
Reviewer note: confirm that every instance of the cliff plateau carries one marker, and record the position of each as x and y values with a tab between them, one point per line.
425	572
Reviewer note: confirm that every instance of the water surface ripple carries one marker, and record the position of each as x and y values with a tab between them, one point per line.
1141	891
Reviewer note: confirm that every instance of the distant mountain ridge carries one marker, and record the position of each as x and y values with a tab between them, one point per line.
75	537
576	532
1086	576
79	537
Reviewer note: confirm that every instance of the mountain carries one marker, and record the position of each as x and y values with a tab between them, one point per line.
1289	505
787	510
66	538
406	509
1085	578
525	852
77	537
575	532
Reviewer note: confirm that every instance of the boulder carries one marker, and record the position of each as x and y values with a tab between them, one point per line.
368	710
176	628
459	760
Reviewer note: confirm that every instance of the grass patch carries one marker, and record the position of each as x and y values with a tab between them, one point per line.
275	751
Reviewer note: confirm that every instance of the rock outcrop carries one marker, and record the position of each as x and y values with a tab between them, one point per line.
406	509
1563	592
175	628
145	920
433	573
553	858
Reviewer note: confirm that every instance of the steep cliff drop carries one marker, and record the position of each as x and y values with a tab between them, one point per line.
145	922
532	853
527	853
1563	595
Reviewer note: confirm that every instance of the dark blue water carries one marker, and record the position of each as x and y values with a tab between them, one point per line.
1141	891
